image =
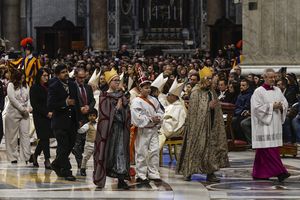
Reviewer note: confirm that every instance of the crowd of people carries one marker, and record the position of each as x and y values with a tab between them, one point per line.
121	108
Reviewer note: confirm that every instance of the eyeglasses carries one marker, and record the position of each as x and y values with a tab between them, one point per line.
117	80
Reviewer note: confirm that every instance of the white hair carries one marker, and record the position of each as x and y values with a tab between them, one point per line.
267	70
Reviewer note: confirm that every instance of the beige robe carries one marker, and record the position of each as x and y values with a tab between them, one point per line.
204	148
173	121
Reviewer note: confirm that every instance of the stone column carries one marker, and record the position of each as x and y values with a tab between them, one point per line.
98	22
271	35
11	22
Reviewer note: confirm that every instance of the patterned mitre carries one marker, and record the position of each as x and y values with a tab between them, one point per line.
94	80
176	88
142	77
143	80
205	72
159	82
109	75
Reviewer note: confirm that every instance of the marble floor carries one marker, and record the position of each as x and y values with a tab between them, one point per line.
21	181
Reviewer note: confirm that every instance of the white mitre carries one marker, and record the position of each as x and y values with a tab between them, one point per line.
71	74
94	80
159	82
122	78
176	88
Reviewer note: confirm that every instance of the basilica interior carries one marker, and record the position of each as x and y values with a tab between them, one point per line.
169	26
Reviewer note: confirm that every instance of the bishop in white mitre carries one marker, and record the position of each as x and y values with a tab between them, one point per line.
174	116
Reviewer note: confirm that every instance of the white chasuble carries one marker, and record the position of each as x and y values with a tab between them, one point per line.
173	119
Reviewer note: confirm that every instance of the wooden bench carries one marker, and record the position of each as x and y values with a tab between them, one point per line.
288	149
233	144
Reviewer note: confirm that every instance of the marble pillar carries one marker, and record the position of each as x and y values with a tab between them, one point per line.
271	35
11	22
98	22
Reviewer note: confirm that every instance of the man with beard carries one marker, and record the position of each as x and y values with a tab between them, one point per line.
194	79
63	101
204	147
241	122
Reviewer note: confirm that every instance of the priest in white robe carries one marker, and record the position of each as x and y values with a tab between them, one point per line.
268	112
175	114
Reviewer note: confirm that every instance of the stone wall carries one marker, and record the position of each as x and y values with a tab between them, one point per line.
271	32
46	13
11	22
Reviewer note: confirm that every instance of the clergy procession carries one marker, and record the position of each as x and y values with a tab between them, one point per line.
119	112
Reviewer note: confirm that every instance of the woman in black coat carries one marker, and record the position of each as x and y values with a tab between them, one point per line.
41	116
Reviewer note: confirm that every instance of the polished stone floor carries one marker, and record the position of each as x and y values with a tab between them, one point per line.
24	182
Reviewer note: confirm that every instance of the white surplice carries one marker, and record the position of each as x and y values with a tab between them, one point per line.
265	121
146	144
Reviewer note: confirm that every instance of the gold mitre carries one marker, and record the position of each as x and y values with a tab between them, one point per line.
205	72
109	75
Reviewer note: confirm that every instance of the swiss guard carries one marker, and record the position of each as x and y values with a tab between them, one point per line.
29	64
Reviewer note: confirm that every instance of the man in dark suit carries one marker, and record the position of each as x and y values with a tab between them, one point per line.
63	101
86	103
